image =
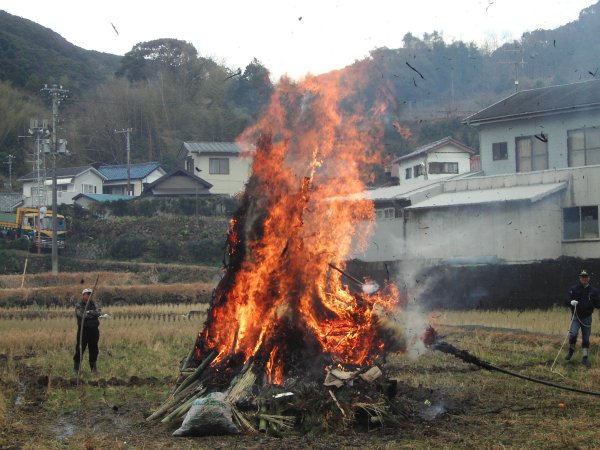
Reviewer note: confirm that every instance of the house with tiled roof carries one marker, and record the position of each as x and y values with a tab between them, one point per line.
70	181
435	161
178	182
87	200
225	165
139	176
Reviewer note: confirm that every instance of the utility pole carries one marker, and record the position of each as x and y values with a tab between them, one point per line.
9	162
516	64
39	129
39	199
127	131
57	93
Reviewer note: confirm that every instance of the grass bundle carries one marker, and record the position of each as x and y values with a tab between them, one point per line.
276	420
375	411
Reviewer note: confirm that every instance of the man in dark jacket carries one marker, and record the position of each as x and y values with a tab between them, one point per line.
583	298
91	333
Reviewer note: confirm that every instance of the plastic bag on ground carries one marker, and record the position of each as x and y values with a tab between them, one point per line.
209	415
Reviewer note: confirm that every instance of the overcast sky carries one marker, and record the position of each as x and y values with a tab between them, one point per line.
290	36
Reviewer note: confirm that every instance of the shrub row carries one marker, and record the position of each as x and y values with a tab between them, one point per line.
108	295
132	246
213	205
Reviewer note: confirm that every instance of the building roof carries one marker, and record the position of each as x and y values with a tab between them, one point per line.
9	201
216	148
428	148
63	172
531	193
103	198
179	172
542	101
400	191
137	171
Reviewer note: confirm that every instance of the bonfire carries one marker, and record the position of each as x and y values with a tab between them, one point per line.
289	330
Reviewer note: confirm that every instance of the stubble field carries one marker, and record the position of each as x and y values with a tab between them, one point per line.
452	404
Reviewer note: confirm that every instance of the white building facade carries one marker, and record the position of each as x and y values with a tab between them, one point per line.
537	196
435	161
225	165
70	182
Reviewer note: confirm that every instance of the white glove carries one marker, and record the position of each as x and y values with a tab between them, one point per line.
574	302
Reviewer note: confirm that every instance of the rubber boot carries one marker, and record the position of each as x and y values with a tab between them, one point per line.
93	368
570	353
584	359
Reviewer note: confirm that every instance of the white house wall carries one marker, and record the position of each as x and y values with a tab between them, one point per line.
155	175
511	232
88	177
136	187
230	184
386	243
447	153
66	197
553	127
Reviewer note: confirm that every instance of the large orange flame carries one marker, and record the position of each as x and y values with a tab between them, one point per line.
314	144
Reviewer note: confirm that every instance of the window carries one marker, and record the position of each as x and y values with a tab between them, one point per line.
218	166
386	213
408	173
88	189
443	167
580	222
37	192
189	165
419	170
583	147
532	154
499	151
47	223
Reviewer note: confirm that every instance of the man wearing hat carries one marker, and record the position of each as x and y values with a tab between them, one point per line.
583	298
91	333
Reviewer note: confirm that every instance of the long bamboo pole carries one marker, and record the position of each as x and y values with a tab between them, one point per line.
24	272
193	377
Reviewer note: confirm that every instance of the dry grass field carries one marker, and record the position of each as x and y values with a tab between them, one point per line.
454	404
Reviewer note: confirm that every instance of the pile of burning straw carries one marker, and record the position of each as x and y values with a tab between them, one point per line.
289	334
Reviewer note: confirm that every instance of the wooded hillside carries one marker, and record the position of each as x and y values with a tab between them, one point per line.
168	93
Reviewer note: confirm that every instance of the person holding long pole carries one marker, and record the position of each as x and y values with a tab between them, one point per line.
583	298
88	332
